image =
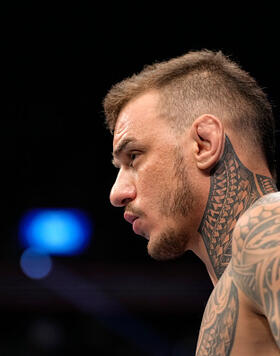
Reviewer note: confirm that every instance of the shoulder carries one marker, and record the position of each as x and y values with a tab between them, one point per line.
260	220
256	258
263	203
272	198
256	247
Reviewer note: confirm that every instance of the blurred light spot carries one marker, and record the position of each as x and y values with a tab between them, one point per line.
57	231
35	263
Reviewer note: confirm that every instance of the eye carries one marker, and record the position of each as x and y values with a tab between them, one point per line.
132	157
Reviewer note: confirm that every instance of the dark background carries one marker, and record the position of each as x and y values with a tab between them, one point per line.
57	65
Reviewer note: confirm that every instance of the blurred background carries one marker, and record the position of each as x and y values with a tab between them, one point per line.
110	297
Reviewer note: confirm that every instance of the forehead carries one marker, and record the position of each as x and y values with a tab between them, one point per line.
139	118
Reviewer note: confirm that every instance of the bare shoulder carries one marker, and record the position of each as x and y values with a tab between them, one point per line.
256	258
258	227
264	201
272	198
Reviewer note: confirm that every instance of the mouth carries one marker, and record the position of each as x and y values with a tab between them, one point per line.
136	223
130	217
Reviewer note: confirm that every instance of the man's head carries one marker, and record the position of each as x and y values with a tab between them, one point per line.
168	123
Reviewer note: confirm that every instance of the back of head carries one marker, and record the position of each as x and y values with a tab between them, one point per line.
197	83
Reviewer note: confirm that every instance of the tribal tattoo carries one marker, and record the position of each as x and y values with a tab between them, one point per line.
218	326
233	189
256	258
266	184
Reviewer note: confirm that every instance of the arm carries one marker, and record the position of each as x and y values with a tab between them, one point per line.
217	332
256	258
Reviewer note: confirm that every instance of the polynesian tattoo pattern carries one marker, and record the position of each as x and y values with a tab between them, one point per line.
256	258
218	326
267	186
233	190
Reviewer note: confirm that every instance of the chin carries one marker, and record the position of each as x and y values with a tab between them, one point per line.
166	246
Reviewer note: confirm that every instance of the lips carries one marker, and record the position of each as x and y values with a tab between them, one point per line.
130	217
136	223
133	219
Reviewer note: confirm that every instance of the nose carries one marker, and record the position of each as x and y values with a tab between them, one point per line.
123	191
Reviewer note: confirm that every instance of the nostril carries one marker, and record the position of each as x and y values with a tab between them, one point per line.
118	199
121	199
126	201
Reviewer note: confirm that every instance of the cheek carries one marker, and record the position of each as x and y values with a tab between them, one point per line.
153	181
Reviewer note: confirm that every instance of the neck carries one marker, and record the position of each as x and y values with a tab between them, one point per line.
233	189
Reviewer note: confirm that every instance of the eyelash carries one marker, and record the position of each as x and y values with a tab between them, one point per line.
132	157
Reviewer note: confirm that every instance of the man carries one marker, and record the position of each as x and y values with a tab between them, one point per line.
193	141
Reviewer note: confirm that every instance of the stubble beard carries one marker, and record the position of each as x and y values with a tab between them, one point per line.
174	205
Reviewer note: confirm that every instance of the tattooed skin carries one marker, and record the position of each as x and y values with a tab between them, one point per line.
266	185
219	320
233	189
256	258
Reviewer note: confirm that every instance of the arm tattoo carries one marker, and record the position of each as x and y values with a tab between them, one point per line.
218	326
233	189
256	258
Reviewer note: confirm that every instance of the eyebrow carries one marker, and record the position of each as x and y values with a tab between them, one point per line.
120	148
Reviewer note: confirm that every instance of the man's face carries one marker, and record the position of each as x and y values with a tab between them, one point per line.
152	185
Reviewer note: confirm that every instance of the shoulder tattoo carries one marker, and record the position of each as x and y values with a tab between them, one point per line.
256	258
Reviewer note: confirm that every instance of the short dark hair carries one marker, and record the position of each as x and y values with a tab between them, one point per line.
202	82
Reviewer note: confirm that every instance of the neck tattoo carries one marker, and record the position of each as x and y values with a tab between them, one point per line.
233	189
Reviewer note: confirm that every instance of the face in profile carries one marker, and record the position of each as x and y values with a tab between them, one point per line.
153	184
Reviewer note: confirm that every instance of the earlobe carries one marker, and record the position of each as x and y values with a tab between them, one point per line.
208	134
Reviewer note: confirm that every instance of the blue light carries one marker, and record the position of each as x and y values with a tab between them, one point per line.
56	231
35	263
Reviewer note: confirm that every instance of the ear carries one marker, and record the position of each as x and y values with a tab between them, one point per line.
207	131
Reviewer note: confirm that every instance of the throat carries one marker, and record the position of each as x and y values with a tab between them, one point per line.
233	189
